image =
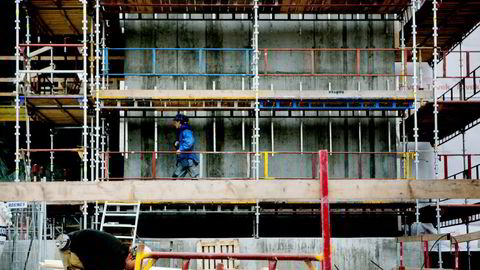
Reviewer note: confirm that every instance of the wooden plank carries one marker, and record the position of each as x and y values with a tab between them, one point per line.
423	237
238	190
467	237
263	94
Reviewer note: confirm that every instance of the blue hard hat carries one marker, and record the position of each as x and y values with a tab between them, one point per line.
181	118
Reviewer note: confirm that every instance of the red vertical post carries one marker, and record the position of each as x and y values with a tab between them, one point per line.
185	264
325	207
469	170
402	266
272	265
405	67
426	258
468	63
265	61
154	165
357	61
312	55
445	166
456	263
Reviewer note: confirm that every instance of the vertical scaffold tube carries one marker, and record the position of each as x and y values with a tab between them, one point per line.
434	86
255	88
102	153
103	56
415	86
92	151
51	155
435	118
91	59
17	90
402	68
256	130
28	162
97	89
84	82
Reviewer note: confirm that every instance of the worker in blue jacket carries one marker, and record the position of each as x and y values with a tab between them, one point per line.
186	162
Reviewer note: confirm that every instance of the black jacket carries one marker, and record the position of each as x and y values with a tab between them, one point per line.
98	250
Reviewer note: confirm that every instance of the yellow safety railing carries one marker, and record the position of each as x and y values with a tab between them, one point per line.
408	158
265	166
140	256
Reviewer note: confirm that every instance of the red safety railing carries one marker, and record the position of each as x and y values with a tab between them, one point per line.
187	256
426	250
358	60
322	161
61	164
464	61
159	165
460	160
228	165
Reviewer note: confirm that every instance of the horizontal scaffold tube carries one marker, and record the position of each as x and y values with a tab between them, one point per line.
233	256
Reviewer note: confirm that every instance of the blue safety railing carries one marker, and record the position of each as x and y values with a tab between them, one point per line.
201	59
336	105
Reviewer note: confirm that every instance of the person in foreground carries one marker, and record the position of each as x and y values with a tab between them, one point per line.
94	250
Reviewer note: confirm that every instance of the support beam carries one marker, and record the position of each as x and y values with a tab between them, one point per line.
467	237
423	237
239	190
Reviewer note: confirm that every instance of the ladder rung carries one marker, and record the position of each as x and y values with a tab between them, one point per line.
123	237
122	204
119	214
119	225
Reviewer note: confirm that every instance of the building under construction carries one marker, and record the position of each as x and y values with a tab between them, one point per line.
341	131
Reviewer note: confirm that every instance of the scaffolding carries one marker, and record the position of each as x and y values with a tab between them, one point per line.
240	103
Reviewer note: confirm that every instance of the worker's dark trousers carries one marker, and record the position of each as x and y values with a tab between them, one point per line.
186	166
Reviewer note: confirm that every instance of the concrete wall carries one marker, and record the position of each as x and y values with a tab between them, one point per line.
348	253
236	34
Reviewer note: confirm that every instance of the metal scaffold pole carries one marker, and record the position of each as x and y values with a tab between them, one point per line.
256	130
435	118
91	59
403	72
17	90
84	82
434	86
103	56
102	154
97	89
92	151
415	105
255	86
28	163
51	154
85	107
